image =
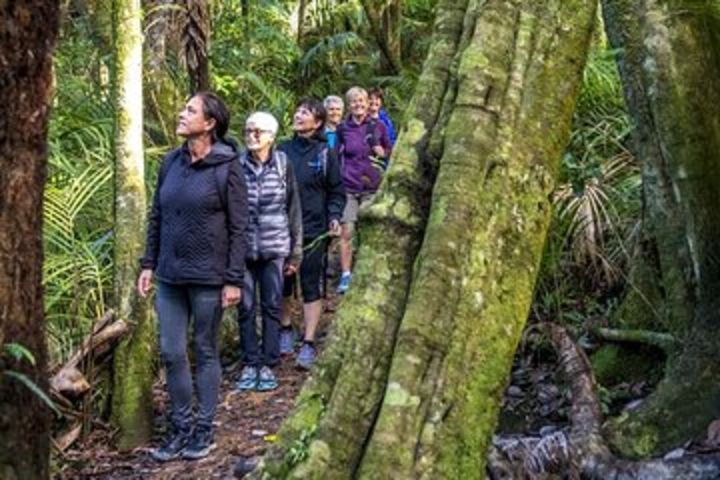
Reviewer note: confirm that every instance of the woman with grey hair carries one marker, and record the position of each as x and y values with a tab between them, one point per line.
334	108
274	248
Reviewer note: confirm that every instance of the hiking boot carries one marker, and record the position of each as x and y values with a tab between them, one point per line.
248	379
344	283
200	445
172	447
306	356
287	341
266	380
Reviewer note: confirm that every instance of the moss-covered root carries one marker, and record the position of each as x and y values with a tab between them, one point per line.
474	278
323	437
671	72
133	369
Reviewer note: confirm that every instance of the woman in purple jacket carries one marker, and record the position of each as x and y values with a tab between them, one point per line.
364	148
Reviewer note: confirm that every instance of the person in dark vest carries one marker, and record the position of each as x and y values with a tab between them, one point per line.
274	248
322	197
195	250
364	149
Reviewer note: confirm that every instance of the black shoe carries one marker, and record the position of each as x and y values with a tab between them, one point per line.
173	446
201	444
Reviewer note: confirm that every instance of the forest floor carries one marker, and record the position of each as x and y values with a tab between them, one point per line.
245	425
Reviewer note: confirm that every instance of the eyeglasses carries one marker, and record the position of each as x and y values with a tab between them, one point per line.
256	132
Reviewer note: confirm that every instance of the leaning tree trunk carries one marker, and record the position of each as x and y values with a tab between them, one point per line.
133	364
670	67
449	338
385	20
27	38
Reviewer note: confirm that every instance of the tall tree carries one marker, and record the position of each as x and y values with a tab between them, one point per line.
133	365
670	67
196	43
411	383
27	37
385	19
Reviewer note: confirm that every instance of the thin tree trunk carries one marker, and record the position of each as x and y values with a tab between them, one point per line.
133	363
196	44
511	71
27	37
384	20
670	67
302	5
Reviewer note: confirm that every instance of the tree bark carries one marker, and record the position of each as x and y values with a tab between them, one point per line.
670	68
133	365
27	37
513	71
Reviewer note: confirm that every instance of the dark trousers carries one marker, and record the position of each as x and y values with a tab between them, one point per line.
267	277
176	305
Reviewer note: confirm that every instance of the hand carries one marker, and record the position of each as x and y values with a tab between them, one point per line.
144	282
290	269
379	151
334	229
231	295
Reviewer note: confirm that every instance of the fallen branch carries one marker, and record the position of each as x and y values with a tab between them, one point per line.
663	341
582	452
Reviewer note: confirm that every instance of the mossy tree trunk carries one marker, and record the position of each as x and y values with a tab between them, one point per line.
133	365
670	67
419	374
27	38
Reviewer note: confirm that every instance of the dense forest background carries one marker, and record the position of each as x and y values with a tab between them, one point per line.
620	261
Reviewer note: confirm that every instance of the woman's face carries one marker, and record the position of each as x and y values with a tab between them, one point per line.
256	138
334	114
192	121
304	121
374	106
359	106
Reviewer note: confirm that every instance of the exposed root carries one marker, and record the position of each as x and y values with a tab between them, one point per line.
581	451
663	341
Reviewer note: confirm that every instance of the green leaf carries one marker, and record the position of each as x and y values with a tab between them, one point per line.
33	388
20	352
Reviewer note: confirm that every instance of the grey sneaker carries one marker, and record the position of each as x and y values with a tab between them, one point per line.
200	445
248	379
287	341
266	380
306	356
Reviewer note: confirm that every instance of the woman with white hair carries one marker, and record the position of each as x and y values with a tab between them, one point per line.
334	107
274	248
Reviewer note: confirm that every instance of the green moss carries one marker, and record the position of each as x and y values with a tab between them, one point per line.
614	364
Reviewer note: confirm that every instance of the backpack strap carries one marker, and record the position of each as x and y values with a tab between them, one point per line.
222	173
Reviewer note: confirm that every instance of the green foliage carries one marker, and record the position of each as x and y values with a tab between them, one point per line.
21	353
597	202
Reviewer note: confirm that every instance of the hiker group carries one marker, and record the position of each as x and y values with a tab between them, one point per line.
230	227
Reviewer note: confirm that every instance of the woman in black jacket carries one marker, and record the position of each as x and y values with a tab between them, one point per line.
196	251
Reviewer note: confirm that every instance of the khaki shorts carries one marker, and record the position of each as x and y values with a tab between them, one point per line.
352	205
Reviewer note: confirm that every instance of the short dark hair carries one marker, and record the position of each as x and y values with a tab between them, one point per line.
376	92
316	107
215	108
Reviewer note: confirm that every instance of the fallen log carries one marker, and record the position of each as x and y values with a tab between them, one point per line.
663	341
581	451
69	381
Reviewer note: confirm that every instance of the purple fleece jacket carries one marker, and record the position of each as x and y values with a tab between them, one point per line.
358	173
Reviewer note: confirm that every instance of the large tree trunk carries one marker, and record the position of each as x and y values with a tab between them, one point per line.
27	38
133	364
670	67
436	359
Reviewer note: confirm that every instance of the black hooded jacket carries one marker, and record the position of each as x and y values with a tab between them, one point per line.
196	230
317	171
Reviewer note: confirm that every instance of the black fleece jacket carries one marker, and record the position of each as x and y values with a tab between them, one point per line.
322	194
196	233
